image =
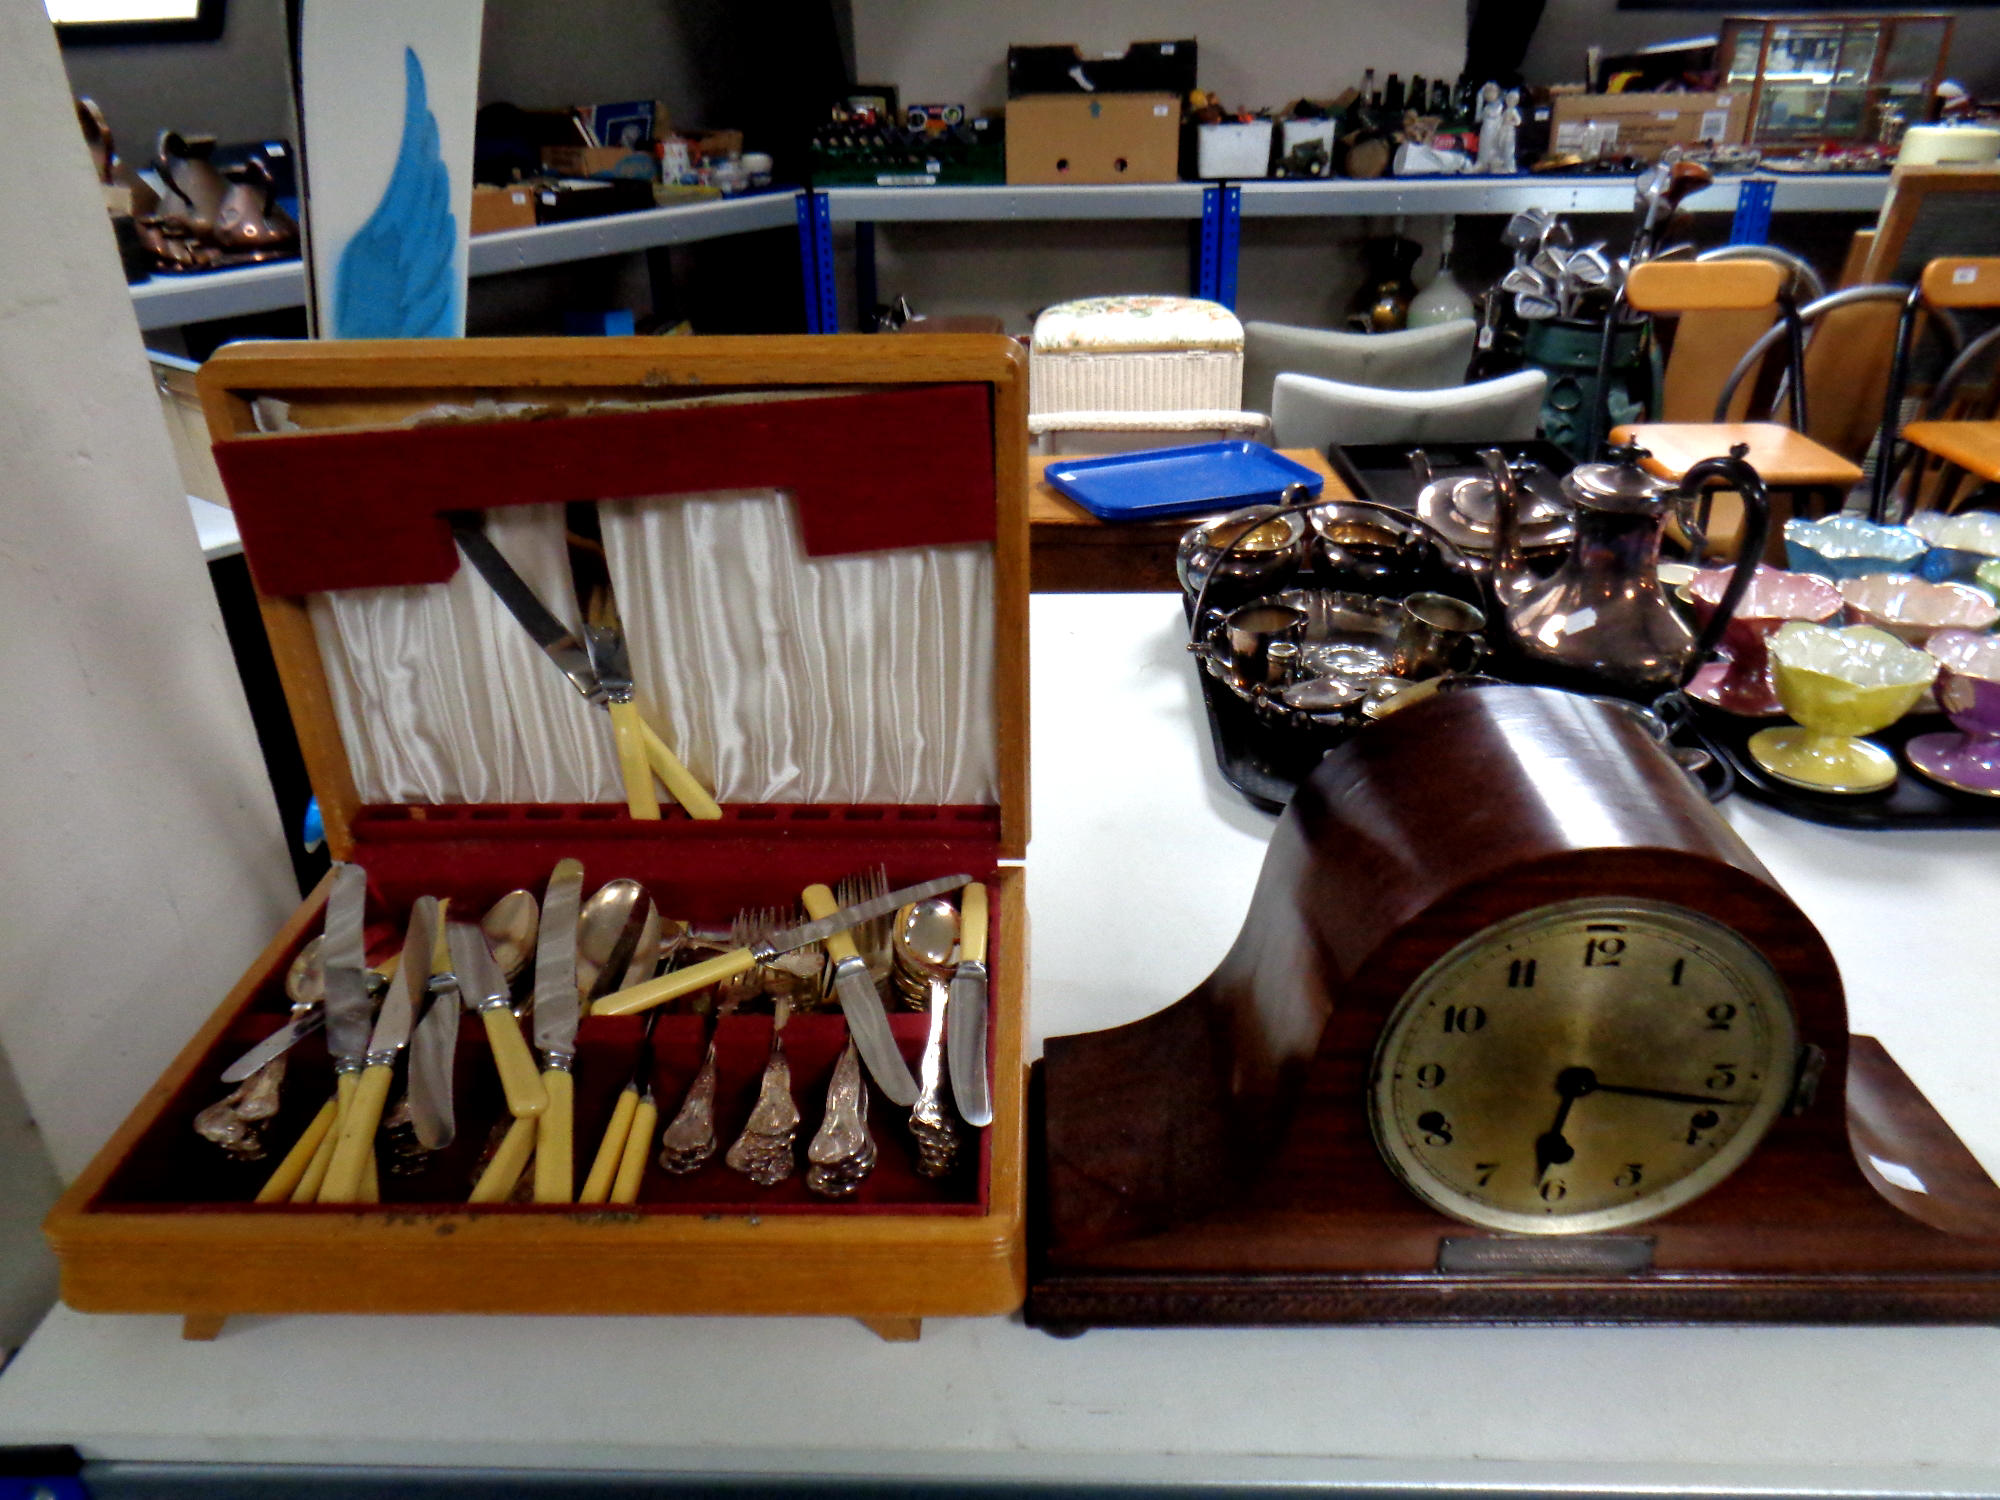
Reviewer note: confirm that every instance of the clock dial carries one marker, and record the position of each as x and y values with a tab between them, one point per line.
1582	1066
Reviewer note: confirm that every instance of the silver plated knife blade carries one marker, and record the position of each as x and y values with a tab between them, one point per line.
868	1026
853	916
276	1044
965	1044
557	1005
407	986
480	982
555	638
433	1053
347	1009
590	572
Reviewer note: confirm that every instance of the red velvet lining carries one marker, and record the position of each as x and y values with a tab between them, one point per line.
877	470
173	1170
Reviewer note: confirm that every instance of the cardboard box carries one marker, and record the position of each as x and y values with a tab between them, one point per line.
502	208
1234	148
572	198
599	161
713	145
1144	68
1644	125
1101	138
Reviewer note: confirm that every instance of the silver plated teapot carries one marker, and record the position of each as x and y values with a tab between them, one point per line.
1602	615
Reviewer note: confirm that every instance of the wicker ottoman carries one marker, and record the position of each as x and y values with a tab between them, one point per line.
1137	353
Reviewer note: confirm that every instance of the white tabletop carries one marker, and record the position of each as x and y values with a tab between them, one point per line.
215	528
1140	869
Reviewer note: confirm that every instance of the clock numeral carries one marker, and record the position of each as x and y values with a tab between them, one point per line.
1630	1176
1485	1169
1679	972
1602	953
1724	1076
1436	1128
1521	974
1720	1015
1429	1076
1554	1190
1464	1018
1702	1120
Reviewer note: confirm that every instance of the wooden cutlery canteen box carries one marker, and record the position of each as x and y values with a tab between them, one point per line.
818	547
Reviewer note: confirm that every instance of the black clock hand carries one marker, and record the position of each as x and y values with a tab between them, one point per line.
1667	1094
1552	1148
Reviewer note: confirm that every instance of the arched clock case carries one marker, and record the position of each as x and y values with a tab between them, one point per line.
1517	1029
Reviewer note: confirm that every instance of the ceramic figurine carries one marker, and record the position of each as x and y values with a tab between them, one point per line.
1499	119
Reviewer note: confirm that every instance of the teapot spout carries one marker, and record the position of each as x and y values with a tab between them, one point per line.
1511	577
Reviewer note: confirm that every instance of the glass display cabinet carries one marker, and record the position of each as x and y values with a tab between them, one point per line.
1829	77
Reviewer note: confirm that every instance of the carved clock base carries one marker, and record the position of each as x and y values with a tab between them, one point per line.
1781	1242
1214	1163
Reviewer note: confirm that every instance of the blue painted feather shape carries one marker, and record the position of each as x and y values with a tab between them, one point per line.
398	275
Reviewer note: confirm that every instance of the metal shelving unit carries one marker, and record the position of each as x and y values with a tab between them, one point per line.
171	301
1158	200
865	207
1220	207
1837	193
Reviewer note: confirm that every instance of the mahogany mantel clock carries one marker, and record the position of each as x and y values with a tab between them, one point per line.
1516	1029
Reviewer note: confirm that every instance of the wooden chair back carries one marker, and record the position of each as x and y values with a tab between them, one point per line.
1962	281
1686	286
1929	211
1855	263
1723	306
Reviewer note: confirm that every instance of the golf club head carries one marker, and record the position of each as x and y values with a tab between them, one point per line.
1685	178
1534	308
1522	231
1523	279
1589	268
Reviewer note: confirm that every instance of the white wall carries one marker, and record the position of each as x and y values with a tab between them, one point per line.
1253	52
235	88
143	864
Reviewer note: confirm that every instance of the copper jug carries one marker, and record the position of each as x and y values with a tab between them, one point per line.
1602	616
249	219
195	189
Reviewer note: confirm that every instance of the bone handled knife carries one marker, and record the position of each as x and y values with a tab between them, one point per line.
861	1003
558	1008
484	991
343	965
434	1049
355	1147
965	1039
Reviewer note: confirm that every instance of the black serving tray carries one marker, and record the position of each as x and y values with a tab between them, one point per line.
1265	764
1914	802
1381	471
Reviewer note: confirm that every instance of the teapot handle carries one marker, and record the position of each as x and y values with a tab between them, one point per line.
1736	472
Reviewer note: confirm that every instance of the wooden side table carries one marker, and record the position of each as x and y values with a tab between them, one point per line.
1072	552
1790	464
1971	446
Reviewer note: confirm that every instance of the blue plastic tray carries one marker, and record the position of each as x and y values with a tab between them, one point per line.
1157	484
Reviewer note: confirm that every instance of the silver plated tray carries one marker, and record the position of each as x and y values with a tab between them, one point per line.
1461	508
